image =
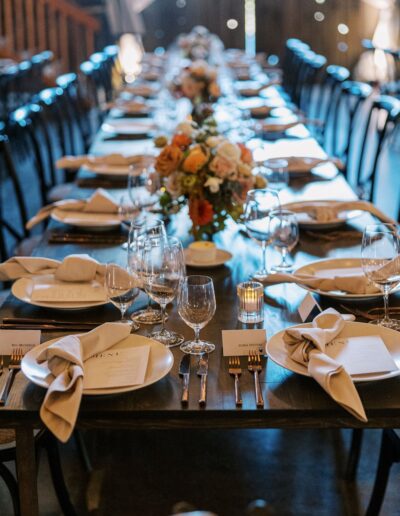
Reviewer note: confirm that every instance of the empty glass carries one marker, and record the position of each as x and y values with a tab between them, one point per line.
122	290
284	231
259	204
276	173
380	260
197	307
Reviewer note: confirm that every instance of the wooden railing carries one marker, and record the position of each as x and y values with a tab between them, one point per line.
30	26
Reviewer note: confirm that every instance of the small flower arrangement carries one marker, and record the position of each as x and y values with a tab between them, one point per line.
199	43
197	82
204	170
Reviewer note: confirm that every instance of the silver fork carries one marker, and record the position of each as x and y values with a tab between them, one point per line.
13	367
254	366
235	370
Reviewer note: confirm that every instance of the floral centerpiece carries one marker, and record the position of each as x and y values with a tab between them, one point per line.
204	170
199	43
197	82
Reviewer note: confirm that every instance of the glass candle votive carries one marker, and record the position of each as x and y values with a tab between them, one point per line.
251	302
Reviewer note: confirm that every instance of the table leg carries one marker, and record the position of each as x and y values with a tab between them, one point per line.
26	472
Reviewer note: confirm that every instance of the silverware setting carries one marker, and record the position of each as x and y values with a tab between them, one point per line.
55	238
235	370
29	323
371	315
184	373
11	369
202	371
254	365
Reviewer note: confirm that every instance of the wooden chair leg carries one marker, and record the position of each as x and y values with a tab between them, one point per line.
57	476
12	485
82	450
354	454
390	453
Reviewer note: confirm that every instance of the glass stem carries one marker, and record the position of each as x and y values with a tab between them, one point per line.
123	310
284	252
386	303
162	318
264	255
196	334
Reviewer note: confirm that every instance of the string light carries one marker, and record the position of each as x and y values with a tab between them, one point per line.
318	16
232	24
343	28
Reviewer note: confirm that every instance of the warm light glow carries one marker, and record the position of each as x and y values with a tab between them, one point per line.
130	56
232	24
318	16
319	1
250	26
343	28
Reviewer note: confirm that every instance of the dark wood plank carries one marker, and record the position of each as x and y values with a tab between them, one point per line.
26	471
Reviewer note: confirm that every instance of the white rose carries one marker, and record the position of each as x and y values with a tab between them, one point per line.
213	183
185	128
229	150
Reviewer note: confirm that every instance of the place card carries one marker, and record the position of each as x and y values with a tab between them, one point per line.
116	368
18	339
309	308
68	292
362	355
240	342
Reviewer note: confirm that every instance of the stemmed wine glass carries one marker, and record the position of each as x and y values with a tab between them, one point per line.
380	260
284	230
259	204
162	278
139	232
197	306
122	290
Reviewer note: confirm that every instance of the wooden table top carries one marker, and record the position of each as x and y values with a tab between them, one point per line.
290	399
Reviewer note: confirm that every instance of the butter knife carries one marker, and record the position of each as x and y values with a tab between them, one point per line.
202	371
184	373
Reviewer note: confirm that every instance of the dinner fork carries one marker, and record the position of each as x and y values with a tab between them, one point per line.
13	367
235	370
254	366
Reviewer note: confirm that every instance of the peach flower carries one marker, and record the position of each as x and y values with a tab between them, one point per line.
168	160
195	160
222	167
181	140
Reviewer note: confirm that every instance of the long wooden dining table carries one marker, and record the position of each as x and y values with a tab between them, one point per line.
291	400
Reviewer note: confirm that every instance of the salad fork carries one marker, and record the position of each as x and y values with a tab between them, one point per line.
254	365
235	370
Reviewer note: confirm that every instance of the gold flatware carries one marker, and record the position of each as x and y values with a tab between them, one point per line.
254	365
235	370
13	367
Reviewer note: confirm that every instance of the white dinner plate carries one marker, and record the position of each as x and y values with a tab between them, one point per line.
326	268
128	127
221	257
22	289
143	160
276	349
307	222
88	221
160	363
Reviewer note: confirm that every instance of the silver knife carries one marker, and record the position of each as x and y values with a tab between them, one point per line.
184	373
202	371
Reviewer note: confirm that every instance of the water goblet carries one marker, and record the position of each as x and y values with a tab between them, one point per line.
380	259
275	171
284	230
197	306
122	290
259	204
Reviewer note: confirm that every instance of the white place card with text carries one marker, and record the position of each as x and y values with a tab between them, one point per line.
18	339
309	308
116	368
240	342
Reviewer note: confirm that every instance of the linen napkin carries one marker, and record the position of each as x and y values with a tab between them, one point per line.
65	359
306	164
75	162
323	211
99	202
353	283
75	267
307	346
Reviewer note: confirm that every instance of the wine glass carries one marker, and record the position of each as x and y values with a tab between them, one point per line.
276	173
122	290
126	214
162	277
380	260
197	307
284	230
140	231
259	204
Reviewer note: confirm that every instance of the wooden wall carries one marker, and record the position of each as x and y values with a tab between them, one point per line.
277	20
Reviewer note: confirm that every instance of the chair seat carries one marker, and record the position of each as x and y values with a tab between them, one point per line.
26	247
60	192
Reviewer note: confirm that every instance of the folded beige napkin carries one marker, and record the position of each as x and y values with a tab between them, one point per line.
324	211
75	267
116	159
65	359
307	346
306	164
129	106
99	202
353	284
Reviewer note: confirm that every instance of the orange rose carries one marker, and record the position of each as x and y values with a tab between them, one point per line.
168	160
195	160
181	140
246	155
201	212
